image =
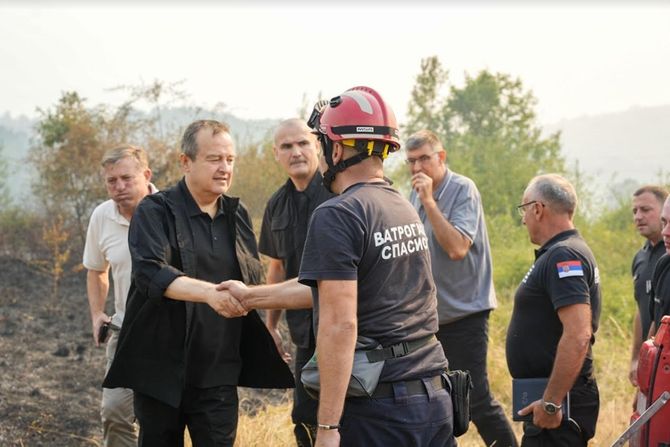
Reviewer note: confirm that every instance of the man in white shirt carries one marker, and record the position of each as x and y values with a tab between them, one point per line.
127	178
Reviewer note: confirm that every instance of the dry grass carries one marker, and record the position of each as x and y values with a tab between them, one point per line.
272	425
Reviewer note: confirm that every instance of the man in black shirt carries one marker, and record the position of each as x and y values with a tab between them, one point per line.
660	303
555	316
647	205
181	349
282	239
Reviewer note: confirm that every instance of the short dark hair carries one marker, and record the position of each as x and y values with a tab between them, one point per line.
425	136
660	192
189	145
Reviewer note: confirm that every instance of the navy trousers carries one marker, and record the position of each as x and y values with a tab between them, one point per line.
574	431
422	420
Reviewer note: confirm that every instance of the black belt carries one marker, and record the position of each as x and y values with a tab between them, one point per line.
399	349
413	387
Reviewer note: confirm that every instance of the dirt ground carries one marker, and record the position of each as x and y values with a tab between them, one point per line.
50	371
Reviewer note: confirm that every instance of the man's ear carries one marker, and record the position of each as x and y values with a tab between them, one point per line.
147	174
338	152
539	210
317	146
185	162
276	152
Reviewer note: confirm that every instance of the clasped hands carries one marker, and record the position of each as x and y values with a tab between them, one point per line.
229	299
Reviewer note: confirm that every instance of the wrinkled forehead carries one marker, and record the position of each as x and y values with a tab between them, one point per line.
294	131
209	143
426	148
122	166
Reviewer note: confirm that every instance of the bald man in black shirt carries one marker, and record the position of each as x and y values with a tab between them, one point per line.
555	317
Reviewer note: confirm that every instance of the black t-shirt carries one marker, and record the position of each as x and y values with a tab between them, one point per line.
642	269
213	353
660	304
373	235
564	273
283	234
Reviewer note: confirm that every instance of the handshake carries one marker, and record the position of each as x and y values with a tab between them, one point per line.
234	298
230	299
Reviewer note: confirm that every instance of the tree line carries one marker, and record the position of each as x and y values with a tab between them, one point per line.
488	126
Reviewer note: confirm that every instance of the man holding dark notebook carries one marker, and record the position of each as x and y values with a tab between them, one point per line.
555	317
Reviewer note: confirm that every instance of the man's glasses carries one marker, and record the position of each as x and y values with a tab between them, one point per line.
422	159
522	208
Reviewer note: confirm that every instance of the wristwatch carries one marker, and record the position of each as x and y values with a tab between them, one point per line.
550	407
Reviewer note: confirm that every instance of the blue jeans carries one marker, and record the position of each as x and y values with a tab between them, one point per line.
465	344
422	420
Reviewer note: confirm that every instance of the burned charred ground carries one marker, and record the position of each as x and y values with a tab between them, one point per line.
50	369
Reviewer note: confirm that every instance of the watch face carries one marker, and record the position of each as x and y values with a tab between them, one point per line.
550	407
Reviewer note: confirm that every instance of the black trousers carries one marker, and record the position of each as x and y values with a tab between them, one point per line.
304	410
465	343
210	415
576	431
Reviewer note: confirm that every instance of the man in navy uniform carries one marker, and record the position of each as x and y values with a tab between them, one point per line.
555	316
647	205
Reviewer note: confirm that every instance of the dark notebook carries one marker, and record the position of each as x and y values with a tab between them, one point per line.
527	391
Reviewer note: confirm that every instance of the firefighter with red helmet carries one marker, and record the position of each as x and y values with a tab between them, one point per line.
366	259
367	268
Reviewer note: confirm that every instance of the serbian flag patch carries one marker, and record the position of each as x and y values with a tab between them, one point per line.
569	268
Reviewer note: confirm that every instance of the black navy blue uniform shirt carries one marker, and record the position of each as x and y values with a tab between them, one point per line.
564	273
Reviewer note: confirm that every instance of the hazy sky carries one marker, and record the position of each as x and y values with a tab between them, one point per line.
261	59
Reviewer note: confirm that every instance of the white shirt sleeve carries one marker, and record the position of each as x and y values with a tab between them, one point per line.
94	258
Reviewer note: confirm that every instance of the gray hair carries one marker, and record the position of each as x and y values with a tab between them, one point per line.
125	151
189	144
555	192
292	122
425	136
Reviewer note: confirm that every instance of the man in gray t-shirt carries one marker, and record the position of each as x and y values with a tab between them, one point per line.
450	208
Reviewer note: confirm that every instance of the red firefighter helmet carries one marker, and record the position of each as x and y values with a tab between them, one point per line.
358	118
360	113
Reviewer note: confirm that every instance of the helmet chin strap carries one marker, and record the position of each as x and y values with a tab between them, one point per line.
333	169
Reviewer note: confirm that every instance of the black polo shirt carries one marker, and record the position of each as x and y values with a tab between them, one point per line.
212	343
564	273
660	303
642	269
283	234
